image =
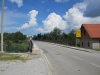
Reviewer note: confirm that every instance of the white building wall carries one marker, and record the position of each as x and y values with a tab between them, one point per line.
91	43
86	43
96	44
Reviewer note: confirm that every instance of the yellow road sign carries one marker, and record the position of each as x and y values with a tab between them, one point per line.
78	33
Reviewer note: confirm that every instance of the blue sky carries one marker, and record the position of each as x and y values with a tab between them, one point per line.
42	16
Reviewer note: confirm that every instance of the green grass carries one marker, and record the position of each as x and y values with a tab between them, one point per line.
10	57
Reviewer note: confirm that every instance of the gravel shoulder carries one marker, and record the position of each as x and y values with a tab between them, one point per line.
35	66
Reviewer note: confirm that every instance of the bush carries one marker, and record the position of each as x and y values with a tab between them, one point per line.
16	48
22	47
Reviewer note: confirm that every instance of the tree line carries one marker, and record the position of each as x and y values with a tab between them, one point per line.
16	37
15	42
57	36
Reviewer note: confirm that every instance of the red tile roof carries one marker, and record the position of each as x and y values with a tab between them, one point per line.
93	30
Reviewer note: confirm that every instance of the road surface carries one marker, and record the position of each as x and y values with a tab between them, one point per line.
66	61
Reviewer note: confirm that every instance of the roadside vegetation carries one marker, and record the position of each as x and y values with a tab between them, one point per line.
57	36
15	42
10	57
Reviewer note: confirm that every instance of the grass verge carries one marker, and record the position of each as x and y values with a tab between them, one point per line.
10	57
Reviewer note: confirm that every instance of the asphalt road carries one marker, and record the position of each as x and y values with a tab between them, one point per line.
66	61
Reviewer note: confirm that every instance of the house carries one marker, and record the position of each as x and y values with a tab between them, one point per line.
90	36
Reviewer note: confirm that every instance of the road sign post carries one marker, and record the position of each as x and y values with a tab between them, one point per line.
78	35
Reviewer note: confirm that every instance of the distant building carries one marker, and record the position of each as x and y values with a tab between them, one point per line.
90	36
30	36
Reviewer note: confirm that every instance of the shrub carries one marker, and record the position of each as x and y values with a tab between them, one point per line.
16	48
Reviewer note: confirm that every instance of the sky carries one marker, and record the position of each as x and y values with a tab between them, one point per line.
42	16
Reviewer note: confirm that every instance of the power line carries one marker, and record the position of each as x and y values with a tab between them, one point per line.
36	6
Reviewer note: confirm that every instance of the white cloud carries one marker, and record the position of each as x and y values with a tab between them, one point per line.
10	17
61	0
32	22
75	18
24	26
53	20
19	2
12	20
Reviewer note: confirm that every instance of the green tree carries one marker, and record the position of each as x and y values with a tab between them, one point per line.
71	38
57	37
39	36
55	34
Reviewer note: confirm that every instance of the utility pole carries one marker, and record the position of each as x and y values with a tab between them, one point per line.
2	17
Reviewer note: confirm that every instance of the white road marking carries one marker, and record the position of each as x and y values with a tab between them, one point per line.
47	62
95	65
77	57
46	59
59	50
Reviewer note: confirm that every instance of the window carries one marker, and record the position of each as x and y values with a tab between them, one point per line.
88	44
82	43
84	32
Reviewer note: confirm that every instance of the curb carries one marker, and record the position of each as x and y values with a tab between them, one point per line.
50	68
48	65
76	48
